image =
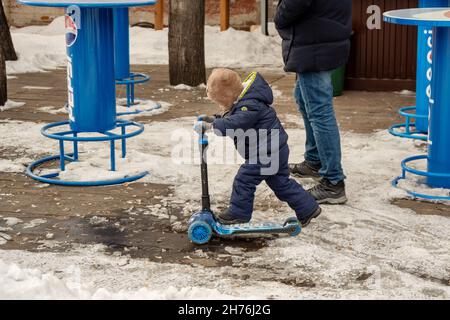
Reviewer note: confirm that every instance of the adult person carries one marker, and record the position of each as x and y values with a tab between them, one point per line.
316	40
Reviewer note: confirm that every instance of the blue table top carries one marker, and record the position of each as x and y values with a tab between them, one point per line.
428	17
88	3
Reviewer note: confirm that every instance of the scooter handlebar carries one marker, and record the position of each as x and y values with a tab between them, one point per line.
201	127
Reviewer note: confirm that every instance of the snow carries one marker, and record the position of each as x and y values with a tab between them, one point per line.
186	87
53	110
25	283
402	254
407	93
34	223
12	166
11	105
12	221
144	107
37	88
43	48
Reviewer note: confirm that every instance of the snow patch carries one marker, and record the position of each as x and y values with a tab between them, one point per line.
24	283
53	110
145	108
42	48
12	221
34	223
11	105
188	88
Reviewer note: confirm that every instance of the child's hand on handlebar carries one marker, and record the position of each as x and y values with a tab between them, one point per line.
206	118
201	127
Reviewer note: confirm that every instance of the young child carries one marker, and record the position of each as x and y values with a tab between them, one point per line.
246	114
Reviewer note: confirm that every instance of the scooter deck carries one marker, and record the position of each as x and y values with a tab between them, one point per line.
266	228
203	225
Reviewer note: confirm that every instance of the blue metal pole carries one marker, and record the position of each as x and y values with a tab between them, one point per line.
439	133
75	147
124	143
424	66
91	81
122	43
62	156
113	155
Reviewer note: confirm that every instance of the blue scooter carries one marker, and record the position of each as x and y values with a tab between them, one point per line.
203	224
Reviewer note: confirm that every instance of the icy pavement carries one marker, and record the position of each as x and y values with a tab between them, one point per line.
368	248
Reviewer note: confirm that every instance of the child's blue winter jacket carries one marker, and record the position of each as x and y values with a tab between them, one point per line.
251	114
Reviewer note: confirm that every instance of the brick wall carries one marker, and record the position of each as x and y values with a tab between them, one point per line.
244	13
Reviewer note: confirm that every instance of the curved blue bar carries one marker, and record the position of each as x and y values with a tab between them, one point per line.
88	3
63	136
73	136
134	78
406	168
50	179
414	134
130	81
419	195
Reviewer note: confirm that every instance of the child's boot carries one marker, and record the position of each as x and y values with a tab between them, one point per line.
306	221
227	218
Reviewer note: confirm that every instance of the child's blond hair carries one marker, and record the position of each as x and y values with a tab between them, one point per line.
224	87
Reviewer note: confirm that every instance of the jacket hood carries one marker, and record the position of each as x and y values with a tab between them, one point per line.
255	87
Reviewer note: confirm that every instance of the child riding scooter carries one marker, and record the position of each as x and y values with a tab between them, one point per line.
250	120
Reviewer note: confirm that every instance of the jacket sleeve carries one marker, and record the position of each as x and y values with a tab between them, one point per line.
244	118
289	12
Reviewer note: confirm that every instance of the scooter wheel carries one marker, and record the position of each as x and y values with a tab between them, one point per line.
291	220
296	230
200	232
294	226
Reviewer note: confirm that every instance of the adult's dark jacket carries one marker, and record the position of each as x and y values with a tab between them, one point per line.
315	33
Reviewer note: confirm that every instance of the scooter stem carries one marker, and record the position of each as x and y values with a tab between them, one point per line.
203	146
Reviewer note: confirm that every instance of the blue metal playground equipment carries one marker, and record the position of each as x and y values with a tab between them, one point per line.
438	158
123	74
73	137
91	88
416	117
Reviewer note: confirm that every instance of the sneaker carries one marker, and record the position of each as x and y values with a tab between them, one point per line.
304	170
226	218
305	222
327	193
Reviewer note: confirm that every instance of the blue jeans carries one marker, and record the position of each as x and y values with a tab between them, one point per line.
314	95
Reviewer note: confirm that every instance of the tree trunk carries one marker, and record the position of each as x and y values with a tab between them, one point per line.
5	37
187	42
3	89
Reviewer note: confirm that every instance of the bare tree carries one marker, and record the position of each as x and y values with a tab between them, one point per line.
5	37
187	42
3	87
